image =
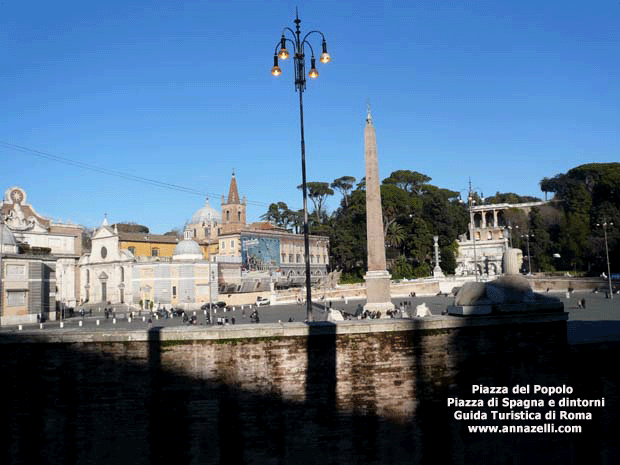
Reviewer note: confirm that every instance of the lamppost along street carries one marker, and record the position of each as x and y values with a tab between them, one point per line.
299	63
510	228
604	226
471	200
529	259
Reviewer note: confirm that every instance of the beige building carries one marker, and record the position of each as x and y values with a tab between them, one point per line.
261	256
113	275
36	234
488	239
27	282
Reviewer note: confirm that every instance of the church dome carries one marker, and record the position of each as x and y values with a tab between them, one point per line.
187	249
206	214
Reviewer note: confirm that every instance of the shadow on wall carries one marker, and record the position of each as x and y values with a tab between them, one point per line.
374	398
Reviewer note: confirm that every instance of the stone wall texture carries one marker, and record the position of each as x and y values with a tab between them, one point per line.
352	393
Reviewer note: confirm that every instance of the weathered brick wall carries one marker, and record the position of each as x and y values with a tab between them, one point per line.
372	392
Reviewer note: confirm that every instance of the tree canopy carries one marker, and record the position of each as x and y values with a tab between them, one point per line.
130	227
318	193
564	234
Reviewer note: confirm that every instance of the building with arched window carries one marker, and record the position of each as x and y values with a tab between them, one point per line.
487	239
111	274
261	256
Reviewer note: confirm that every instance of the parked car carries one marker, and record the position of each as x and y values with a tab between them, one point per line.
213	306
260	301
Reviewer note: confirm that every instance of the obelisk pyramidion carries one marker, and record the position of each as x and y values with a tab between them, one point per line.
377	278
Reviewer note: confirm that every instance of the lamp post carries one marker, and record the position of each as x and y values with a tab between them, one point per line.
529	258
510	228
299	63
604	226
471	200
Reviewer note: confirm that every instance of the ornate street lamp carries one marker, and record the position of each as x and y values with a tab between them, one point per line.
604	226
299	63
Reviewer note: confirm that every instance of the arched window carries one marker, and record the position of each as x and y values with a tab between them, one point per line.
501	219
488	219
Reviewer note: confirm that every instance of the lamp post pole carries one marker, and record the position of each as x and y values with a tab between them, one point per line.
510	228
529	258
299	64
471	201
604	226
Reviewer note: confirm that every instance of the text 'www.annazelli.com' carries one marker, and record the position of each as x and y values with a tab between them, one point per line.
544	428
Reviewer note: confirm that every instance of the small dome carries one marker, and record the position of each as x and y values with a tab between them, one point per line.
188	249
206	214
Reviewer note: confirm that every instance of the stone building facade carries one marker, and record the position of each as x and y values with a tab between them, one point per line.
38	235
27	282
114	275
488	238
261	256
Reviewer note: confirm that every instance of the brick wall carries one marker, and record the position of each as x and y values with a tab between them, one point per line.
356	392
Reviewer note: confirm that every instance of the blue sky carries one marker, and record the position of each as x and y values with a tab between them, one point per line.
180	92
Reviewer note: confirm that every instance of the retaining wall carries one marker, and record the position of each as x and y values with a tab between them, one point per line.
352	392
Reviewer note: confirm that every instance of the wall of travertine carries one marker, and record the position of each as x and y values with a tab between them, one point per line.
355	392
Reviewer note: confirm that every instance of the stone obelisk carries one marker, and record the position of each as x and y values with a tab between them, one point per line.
377	278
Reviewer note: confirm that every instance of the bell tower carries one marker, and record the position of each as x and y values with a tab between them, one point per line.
233	209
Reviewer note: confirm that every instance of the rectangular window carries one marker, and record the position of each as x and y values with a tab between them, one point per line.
16	271
202	289
132	250
154	252
232	244
16	298
174	291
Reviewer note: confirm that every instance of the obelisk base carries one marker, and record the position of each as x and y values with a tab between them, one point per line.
378	296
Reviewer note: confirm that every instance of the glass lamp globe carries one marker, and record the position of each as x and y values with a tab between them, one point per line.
283	54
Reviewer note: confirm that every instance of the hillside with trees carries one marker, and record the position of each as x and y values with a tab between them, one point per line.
565	234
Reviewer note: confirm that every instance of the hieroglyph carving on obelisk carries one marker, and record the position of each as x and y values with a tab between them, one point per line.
377	278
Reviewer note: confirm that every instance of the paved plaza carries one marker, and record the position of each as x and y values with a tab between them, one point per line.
598	321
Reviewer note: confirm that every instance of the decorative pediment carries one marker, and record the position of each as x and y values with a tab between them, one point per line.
18	215
103	276
103	232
